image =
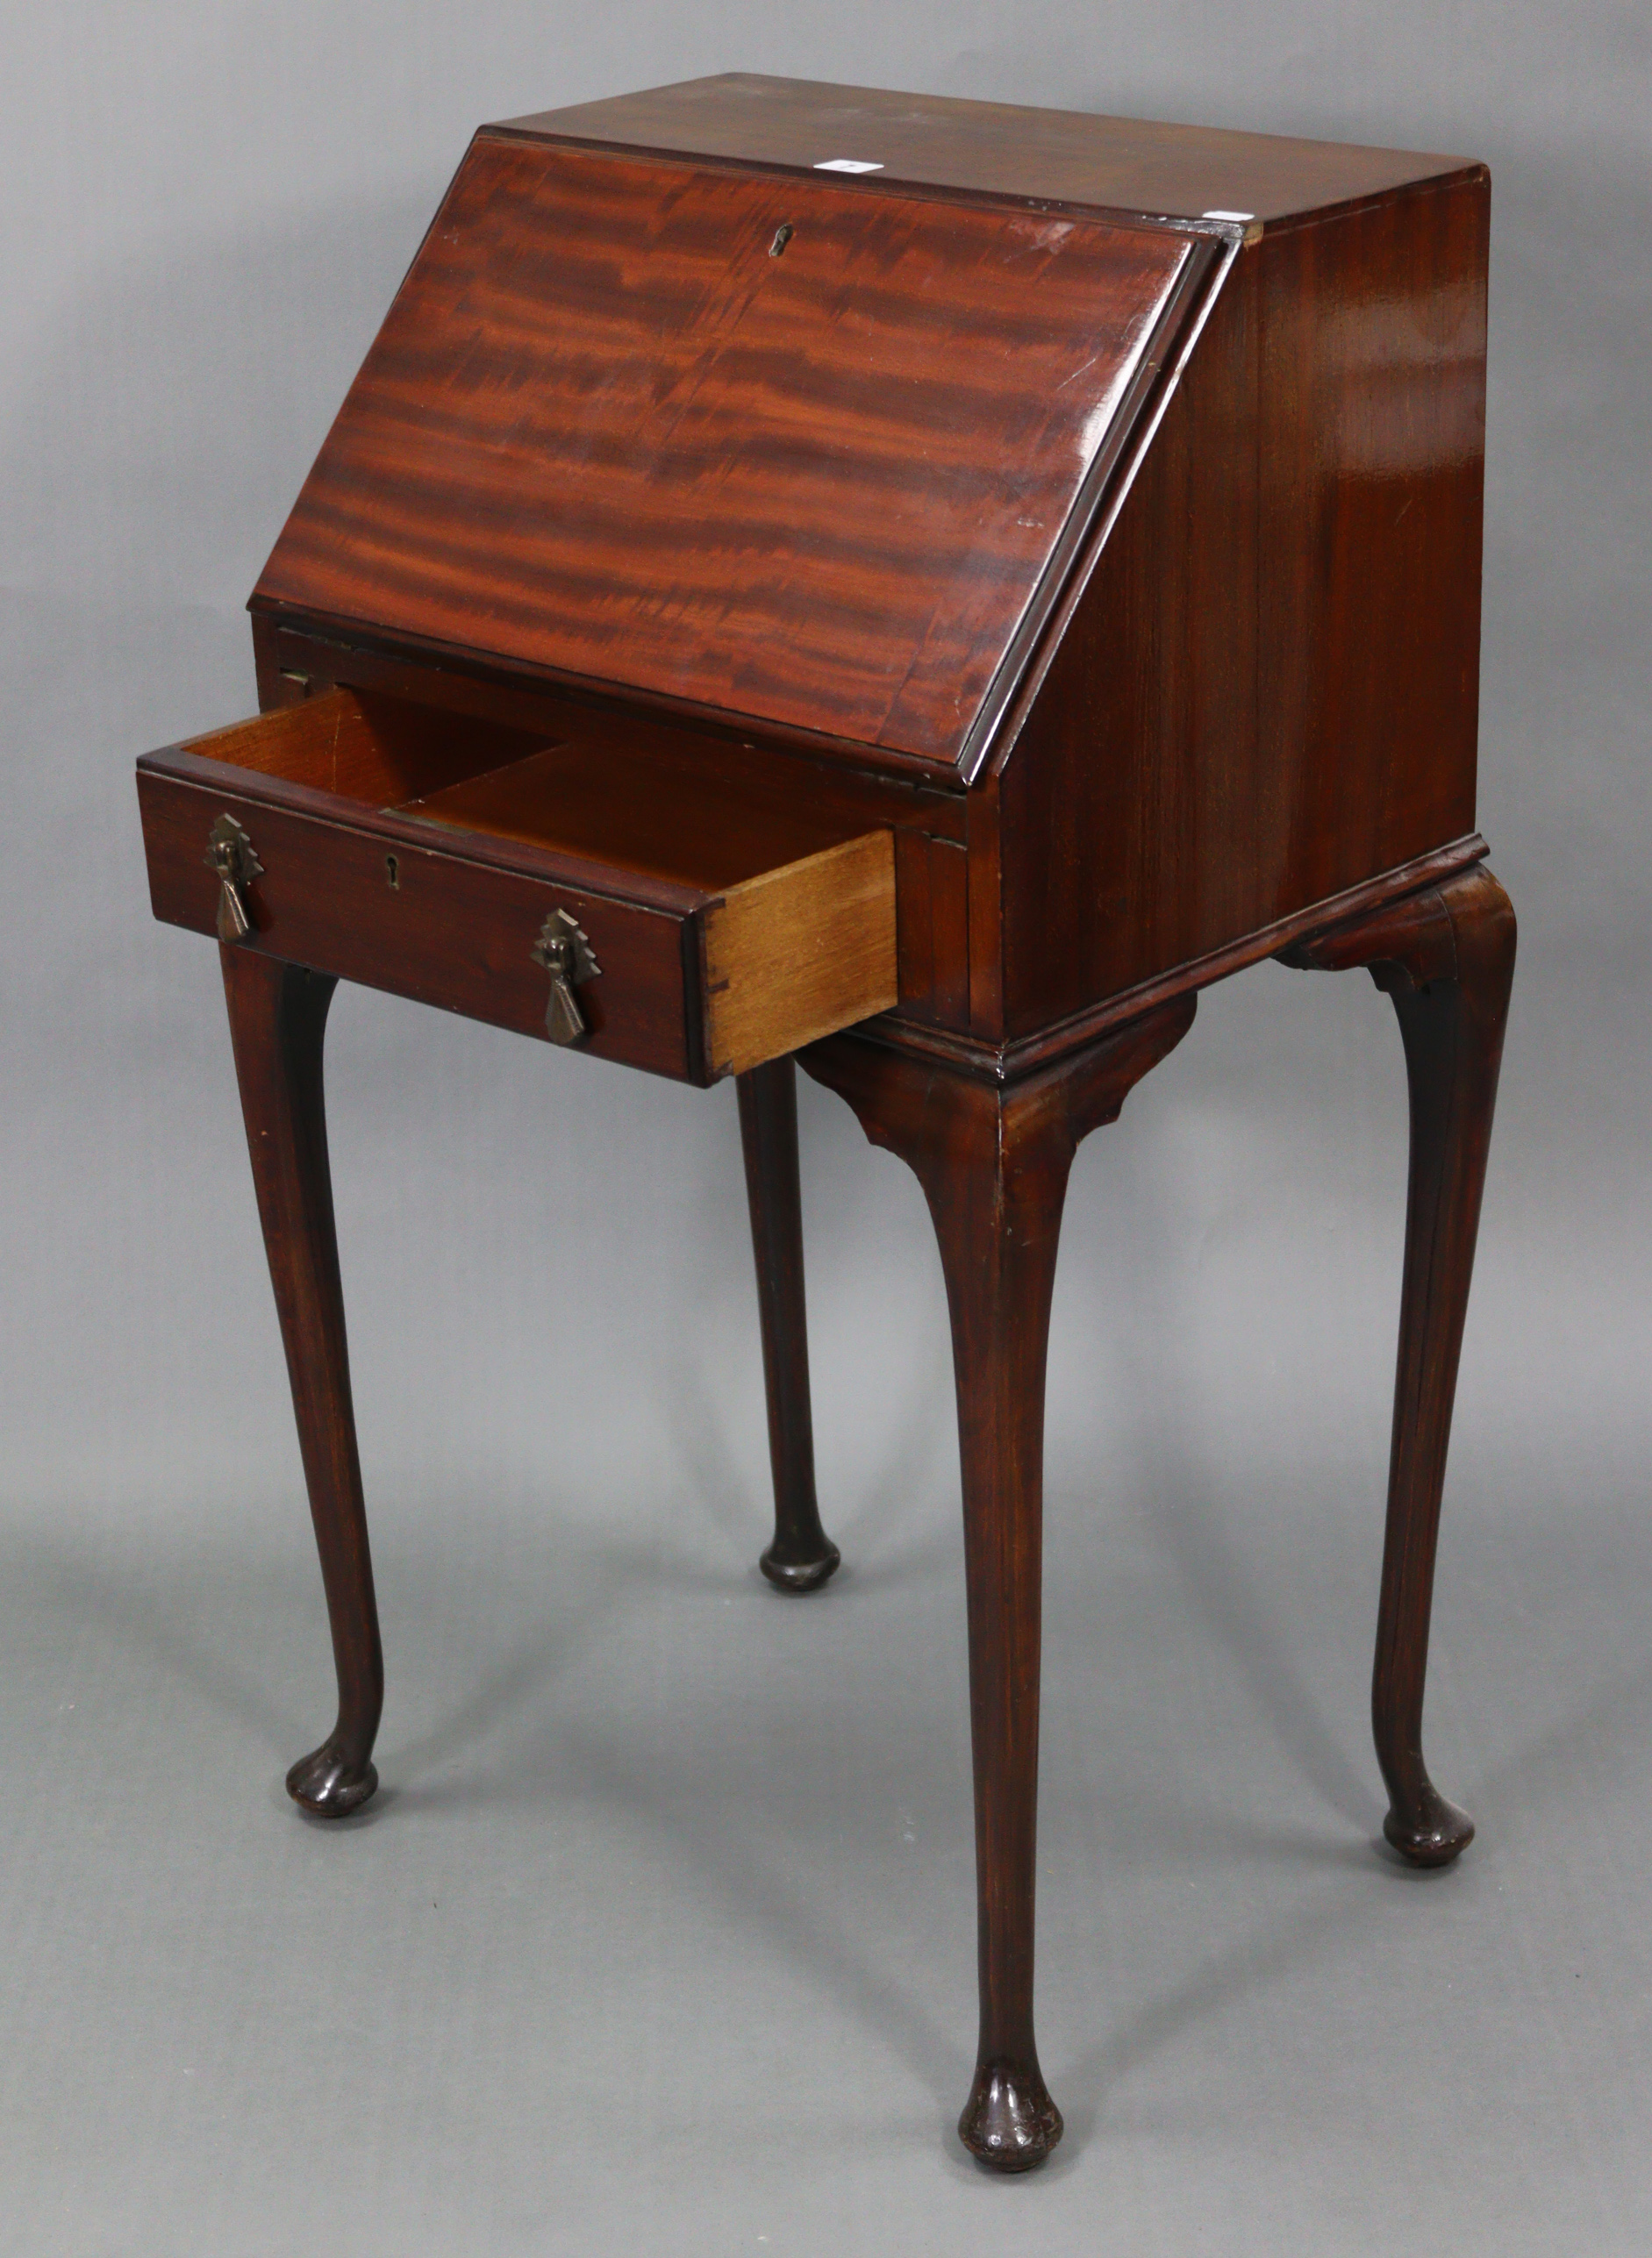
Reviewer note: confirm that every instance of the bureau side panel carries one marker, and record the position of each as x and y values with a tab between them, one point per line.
1373	436
1130	806
1270	694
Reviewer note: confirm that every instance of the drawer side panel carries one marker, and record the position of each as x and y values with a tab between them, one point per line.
800	953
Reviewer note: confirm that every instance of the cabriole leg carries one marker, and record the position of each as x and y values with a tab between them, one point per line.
994	1163
802	1556
277	1021
1446	958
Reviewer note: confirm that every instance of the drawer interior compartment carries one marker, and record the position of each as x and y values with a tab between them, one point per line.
784	914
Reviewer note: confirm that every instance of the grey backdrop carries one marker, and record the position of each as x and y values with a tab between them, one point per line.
660	1936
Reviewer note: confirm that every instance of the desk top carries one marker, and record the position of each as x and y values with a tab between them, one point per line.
997	149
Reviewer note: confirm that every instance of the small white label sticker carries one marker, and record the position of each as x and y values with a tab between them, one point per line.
847	165
1228	214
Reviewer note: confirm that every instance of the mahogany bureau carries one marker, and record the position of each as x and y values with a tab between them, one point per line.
923	588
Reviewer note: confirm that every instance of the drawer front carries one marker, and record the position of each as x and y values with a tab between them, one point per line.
375	902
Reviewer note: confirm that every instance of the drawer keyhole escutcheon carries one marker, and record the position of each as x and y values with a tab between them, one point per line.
784	234
232	855
565	951
393	874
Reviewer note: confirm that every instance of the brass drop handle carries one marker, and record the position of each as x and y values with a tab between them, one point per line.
564	950
232	855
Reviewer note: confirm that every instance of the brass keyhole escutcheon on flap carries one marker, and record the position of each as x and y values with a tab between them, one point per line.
784	234
565	951
233	856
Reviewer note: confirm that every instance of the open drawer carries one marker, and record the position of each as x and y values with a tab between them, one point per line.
609	886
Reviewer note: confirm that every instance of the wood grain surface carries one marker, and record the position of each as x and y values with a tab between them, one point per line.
800	951
727	932
1446	957
1268	692
802	1556
446	925
278	1017
996	148
994	1165
641	816
607	430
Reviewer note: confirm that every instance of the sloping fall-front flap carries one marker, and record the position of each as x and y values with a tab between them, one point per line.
814	456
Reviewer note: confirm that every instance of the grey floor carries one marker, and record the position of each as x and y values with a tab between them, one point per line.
660	1936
